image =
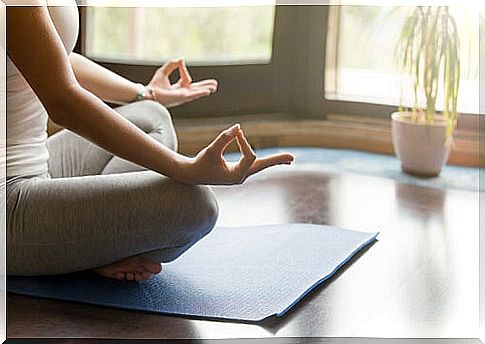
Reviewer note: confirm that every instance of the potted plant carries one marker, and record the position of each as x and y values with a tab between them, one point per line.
428	51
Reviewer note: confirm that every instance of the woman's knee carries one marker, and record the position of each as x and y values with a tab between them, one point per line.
193	214
157	109
163	129
154	119
184	210
197	214
203	210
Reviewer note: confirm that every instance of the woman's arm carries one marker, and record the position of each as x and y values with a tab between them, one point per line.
37	50
114	88
102	82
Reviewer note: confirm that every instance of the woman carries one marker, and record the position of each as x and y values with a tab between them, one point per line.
69	207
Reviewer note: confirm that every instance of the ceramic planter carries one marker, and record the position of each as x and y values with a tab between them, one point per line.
422	148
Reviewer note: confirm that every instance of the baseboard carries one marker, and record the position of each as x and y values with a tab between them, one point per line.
336	131
347	132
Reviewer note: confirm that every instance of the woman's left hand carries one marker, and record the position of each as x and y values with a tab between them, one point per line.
184	90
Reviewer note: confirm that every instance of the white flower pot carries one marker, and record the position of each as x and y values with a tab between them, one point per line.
422	148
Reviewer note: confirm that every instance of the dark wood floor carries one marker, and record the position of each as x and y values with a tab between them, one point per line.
419	280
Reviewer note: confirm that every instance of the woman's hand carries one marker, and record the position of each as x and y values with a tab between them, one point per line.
209	166
184	90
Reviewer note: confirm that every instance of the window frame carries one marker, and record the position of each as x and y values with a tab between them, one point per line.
288	85
468	121
258	80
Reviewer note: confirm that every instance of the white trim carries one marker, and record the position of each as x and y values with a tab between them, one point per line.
482	180
3	145
175	3
230	3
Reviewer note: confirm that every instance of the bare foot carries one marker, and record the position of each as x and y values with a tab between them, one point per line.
132	269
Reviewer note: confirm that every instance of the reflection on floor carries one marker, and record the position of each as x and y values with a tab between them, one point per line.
378	165
418	280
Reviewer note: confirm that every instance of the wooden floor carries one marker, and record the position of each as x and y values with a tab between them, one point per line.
419	280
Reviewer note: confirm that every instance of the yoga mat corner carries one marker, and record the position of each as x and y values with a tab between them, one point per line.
234	273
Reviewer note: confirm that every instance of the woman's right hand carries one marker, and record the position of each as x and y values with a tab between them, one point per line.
210	167
49	73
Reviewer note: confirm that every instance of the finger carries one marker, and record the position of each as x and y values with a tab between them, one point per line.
185	78
210	84
210	88
224	139
273	160
248	156
169	67
205	82
196	94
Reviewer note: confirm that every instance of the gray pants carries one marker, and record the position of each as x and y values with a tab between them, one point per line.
93	208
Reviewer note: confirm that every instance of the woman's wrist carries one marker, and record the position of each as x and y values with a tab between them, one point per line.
184	169
145	93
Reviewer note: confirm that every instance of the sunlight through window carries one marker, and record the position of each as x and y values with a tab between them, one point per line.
202	35
361	65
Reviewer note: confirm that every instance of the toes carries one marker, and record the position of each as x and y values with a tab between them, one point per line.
153	267
146	275
107	272
130	269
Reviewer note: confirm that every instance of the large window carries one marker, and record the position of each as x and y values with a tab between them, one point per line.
203	35
272	58
360	56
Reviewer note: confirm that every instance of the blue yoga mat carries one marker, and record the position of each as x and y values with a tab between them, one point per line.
376	165
243	273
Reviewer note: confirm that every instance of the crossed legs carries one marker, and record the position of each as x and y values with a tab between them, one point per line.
96	211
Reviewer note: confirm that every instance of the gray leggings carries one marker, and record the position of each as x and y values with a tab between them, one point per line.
93	208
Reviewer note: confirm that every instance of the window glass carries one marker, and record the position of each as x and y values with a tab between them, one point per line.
204	35
365	69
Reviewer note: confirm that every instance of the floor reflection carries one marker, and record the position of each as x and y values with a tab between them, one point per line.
280	195
423	234
409	283
418	280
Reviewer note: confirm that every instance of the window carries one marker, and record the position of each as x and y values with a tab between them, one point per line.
203	35
360	61
301	61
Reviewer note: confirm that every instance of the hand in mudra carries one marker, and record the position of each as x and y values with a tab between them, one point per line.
210	167
184	90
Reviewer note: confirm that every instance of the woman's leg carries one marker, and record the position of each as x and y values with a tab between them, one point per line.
72	156
155	120
60	225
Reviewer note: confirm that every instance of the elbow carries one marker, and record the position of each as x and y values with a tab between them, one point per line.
61	105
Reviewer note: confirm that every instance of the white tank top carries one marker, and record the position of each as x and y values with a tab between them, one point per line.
26	117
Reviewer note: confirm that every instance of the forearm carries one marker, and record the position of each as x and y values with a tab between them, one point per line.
49	73
86	115
102	82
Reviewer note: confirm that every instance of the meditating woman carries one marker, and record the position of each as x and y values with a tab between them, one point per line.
109	193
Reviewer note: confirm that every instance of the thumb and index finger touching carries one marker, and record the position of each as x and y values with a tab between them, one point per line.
220	143
249	163
169	67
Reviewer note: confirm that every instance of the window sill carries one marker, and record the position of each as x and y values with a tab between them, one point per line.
212	62
337	131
